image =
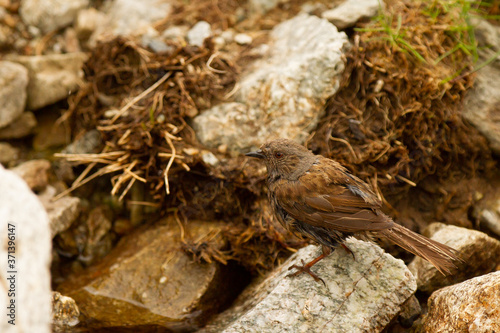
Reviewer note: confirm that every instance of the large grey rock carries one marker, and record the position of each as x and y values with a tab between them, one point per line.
480	252
51	77
351	11
481	102
20	127
31	255
13	83
49	15
284	92
360	295
470	306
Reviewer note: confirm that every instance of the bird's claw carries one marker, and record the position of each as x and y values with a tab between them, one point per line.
304	269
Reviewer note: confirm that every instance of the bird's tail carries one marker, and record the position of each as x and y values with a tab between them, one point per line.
441	256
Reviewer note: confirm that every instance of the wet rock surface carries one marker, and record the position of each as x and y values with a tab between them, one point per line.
148	281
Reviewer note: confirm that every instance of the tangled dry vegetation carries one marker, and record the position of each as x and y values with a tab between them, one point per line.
396	118
394	121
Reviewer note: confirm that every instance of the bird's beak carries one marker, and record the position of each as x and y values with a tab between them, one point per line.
258	154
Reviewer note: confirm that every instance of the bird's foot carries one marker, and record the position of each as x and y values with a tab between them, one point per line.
305	268
348	250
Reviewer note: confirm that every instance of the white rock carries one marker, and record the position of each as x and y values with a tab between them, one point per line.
197	34
13	84
243	39
359	294
51	77
21	208
351	11
284	92
49	15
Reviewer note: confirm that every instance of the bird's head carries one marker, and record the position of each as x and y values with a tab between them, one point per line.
284	158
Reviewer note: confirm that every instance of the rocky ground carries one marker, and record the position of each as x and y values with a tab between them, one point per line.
127	201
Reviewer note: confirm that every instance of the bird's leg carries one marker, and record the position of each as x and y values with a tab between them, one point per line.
348	250
306	268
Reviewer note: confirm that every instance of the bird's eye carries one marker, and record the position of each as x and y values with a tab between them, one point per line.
278	154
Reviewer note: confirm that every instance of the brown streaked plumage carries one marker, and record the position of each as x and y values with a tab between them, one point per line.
320	199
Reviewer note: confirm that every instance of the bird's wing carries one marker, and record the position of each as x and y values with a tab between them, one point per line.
339	201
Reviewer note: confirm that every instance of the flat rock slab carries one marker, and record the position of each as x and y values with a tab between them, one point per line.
282	94
470	306
360	295
148	281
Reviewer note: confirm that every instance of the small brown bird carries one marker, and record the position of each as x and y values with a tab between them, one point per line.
319	198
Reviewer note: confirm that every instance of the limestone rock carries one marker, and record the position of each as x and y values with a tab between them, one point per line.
148	281
22	215
13	83
470	306
20	127
51	77
283	93
351	11
49	15
361	295
480	252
